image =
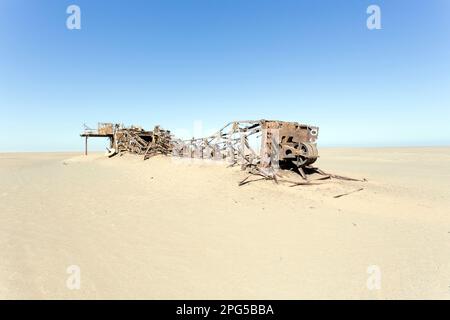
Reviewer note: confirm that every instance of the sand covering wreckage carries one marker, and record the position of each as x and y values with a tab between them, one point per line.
261	147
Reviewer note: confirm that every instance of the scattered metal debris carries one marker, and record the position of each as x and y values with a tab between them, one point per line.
347	193
261	147
131	139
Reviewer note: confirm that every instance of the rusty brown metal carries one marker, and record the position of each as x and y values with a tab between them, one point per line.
105	128
262	146
274	144
132	139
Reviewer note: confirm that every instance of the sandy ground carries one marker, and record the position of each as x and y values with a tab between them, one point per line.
185	230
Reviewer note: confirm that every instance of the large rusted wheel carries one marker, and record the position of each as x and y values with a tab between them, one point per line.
308	155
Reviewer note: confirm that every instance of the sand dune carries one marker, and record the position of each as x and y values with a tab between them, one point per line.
172	229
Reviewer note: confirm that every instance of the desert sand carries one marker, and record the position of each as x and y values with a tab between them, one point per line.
168	229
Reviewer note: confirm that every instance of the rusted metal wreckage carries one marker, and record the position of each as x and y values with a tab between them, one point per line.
131	139
261	147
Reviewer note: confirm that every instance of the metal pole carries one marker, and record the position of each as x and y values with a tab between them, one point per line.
85	146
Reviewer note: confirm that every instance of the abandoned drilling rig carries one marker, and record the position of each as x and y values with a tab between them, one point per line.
131	139
260	145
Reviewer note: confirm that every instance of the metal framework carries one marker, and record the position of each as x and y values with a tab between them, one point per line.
263	145
260	145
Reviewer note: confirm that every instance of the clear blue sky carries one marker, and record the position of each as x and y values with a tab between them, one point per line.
173	62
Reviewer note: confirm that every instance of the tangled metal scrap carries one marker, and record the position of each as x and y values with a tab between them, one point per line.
262	147
132	139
